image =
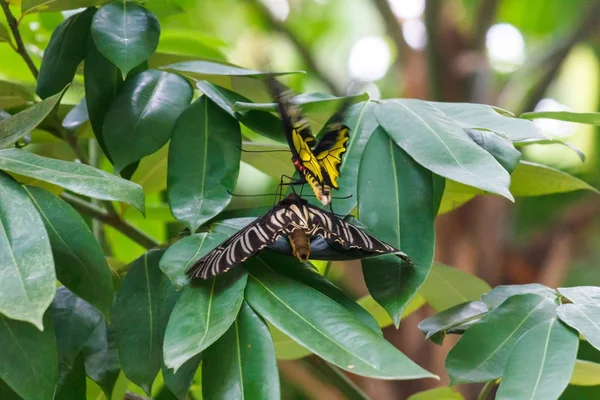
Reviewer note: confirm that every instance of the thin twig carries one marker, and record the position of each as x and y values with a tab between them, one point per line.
101	214
485	391
434	57
14	27
306	55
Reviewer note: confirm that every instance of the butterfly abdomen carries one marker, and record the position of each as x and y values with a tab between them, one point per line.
300	244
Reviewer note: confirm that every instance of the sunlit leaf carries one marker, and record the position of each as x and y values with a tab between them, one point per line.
531	179
582	118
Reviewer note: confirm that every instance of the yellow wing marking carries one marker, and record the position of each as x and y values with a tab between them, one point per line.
309	161
331	158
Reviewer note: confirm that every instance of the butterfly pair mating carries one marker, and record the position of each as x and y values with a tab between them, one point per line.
318	164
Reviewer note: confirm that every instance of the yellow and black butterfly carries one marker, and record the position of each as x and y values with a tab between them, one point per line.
318	163
301	223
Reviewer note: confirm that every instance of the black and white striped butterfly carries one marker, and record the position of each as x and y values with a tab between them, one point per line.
297	220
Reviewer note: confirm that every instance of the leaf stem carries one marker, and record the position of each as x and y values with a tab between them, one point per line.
14	27
99	213
487	388
335	378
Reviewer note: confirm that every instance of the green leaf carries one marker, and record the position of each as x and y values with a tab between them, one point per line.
125	33
502	292
541	363
139	329
241	364
71	381
78	259
440	145
180	256
321	325
13	94
65	51
585	318
202	315
179	383
447	287
455	195
531	179
29	362
582	294
76	177
440	393
500	148
76	117
582	118
204	161
101	358
308	102
482	351
400	210
28	281
151	175
75	322
294	269
4	35
379	313
460	316
18	125
201	70
31	6
585	373
286	348
140	119
482	116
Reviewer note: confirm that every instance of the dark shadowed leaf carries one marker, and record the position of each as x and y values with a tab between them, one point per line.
28	280
79	178
18	125
204	161
65	51
125	33
500	293
241	364
101	358
325	327
541	363
531	179
461	315
140	118
583	118
500	148
78	259
398	200
29	362
202	314
585	318
179	383
582	294
71	381
439	144
482	351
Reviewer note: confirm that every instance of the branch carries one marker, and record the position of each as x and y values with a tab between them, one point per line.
306	55
101	214
589	21
393	28
14	27
434	58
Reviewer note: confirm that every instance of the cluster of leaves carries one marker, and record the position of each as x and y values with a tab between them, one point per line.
407	161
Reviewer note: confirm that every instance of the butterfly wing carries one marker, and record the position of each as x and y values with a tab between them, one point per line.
261	233
329	150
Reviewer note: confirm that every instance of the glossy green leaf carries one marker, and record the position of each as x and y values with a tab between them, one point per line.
78	259
324	326
531	179
140	119
13	94
139	330
28	283
31	6
308	102
397	202
440	393
180	256
294	269
202	315
585	318
500	148
541	363
585	373
482	351
78	178
65	51
101	358
241	364
18	125
71	381
482	116
462	315
76	117
261	122
582	294
125	33
447	287
379	313
201	70
204	161
74	322
29	362
582	118
439	144
502	292
179	383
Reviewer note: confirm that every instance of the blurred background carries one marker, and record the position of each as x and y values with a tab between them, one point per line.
518	55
